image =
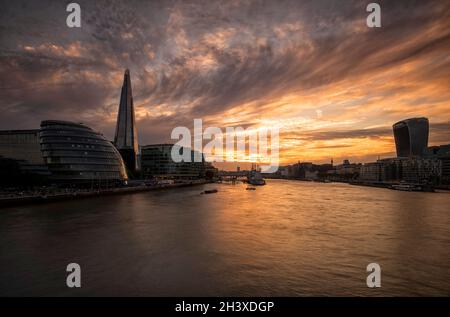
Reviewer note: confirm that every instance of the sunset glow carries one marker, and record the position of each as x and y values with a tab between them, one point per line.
332	85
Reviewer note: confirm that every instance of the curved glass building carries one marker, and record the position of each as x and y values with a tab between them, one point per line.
411	137
75	153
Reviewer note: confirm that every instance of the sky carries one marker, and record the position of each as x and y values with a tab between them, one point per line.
314	69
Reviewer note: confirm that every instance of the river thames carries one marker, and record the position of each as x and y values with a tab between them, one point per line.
288	238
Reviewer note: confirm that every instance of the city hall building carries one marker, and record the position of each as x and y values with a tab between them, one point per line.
65	152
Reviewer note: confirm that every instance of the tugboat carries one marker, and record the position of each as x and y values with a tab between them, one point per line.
255	178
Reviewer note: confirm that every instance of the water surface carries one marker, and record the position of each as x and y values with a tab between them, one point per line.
287	238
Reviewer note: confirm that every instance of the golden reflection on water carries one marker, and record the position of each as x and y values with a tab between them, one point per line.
285	238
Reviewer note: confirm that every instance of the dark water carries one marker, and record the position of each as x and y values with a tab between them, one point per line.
286	238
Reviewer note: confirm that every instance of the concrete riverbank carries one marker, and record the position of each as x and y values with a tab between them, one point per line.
14	199
387	185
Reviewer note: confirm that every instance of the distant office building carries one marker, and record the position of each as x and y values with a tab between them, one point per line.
283	172
371	172
312	175
210	171
413	170
420	170
303	170
411	136
442	153
347	169
23	147
294	170
65	152
391	169
126	137
156	161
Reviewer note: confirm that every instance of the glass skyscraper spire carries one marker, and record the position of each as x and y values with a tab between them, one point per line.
126	138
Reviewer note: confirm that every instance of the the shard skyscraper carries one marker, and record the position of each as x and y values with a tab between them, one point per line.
126	138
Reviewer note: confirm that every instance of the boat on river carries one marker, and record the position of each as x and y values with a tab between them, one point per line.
210	191
255	178
409	187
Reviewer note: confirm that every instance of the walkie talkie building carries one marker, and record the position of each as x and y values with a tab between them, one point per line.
411	137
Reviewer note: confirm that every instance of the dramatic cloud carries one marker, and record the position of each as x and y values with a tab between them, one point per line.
313	68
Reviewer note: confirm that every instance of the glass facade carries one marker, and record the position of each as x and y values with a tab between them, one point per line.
21	145
74	152
413	170
126	138
156	162
442	153
411	137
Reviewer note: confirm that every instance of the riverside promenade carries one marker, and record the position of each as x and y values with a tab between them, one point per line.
53	194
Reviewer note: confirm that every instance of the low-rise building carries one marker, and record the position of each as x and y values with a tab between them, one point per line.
442	153
412	169
371	172
157	162
347	169
23	146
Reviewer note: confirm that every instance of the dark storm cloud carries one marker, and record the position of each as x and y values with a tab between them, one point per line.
197	58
